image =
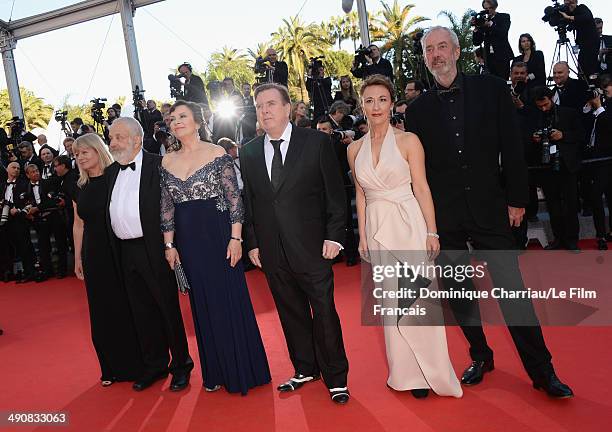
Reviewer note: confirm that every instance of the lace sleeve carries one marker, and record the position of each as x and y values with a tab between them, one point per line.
166	204
229	183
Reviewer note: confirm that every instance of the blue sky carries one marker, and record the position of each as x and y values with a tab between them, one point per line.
62	63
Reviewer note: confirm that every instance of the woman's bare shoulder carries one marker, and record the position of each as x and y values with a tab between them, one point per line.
354	148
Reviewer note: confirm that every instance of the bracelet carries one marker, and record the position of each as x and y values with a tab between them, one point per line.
236	238
169	246
433	234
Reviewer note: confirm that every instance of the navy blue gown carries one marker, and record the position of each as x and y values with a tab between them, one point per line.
200	211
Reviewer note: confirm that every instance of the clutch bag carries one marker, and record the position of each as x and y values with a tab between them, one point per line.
181	279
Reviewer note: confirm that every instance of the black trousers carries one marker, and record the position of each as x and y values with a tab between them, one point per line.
561	191
505	273
350	245
601	184
306	308
588	59
17	231
156	310
52	225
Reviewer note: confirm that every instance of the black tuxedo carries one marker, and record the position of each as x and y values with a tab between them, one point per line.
289	226
281	73
606	58
17	231
471	200
573	94
497	50
150	284
601	134
586	38
33	160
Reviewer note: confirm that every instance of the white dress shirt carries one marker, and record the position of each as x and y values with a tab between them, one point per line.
284	147
8	193
36	192
238	173
124	205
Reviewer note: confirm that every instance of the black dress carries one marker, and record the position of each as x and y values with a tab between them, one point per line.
201	210
112	328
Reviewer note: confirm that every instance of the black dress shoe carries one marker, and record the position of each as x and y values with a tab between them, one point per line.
602	244
179	381
26	278
475	372
551	384
572	247
609	237
297	381
339	395
420	393
554	245
148	380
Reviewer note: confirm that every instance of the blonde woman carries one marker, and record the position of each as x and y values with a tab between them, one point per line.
112	329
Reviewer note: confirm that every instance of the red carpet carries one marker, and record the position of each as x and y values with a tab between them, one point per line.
48	365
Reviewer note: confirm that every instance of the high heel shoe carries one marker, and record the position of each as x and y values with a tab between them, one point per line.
212	389
107	382
420	393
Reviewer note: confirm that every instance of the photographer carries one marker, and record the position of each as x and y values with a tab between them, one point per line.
319	88
605	48
66	185
339	116
76	124
47	154
68	143
369	62
193	86
492	30
340	141
568	92
271	69
558	138
600	143
582	22
399	111
13	225
147	115
413	90
27	157
45	206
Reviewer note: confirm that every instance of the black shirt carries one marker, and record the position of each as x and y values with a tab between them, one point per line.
453	102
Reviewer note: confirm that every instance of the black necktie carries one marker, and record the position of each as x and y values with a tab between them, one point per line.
277	163
130	165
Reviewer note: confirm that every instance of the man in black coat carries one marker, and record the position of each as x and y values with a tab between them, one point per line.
27	157
494	34
605	48
560	182
375	64
15	230
466	123
568	92
295	220
582	22
133	217
278	69
194	86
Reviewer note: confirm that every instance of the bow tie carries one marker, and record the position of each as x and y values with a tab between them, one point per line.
11	183
130	165
34	184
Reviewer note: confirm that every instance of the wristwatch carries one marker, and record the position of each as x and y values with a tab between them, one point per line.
169	246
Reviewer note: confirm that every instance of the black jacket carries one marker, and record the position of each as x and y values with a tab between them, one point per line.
281	73
603	135
568	121
194	90
383	67
33	160
608	57
535	66
584	26
496	36
573	94
308	208
491	130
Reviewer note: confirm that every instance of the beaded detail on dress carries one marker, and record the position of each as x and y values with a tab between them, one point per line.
216	179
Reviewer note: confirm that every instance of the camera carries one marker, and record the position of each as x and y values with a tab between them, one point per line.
17	126
97	105
176	86
61	116
550	153
479	19
361	53
552	15
137	98
518	89
396	118
342	134
315	64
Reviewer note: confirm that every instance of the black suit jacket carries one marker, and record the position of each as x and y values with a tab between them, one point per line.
496	36
150	219
584	25
535	66
574	94
308	207
608	57
603	135
491	131
281	73
194	90
46	187
34	160
19	192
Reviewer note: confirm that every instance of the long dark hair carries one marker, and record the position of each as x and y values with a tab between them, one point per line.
528	36
198	117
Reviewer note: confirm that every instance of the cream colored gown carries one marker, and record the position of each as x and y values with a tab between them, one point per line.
396	231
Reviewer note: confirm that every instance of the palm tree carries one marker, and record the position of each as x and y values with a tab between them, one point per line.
259	51
296	43
395	28
352	27
463	29
230	62
36	113
336	29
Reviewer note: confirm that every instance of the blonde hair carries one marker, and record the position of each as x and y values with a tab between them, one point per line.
92	141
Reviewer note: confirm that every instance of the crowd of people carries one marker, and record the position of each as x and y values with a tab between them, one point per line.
183	196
